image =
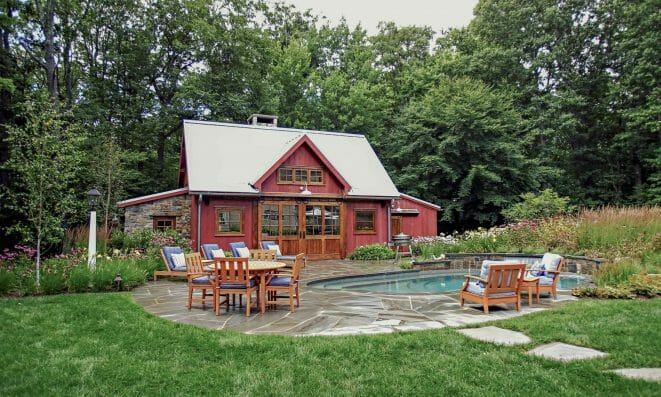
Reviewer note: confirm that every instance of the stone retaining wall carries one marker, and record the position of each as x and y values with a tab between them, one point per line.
141	216
573	264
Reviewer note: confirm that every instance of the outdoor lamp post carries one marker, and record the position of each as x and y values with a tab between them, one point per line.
92	200
118	281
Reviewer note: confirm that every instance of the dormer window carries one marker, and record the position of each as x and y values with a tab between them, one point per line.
301	175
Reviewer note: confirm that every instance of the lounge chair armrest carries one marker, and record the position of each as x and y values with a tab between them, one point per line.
468	277
552	271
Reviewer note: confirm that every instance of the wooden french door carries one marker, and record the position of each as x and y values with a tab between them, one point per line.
314	228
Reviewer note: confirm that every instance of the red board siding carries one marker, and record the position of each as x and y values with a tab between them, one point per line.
423	224
303	157
209	222
380	219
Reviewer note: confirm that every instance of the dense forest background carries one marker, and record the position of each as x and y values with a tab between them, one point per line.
533	94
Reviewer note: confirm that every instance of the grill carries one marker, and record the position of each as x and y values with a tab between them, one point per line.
401	240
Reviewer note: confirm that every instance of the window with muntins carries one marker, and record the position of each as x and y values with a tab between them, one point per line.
301	175
229	220
163	223
364	221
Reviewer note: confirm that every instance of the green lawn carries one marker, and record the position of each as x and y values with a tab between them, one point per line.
104	344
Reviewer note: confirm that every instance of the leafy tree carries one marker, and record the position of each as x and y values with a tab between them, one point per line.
460	146
44	159
538	206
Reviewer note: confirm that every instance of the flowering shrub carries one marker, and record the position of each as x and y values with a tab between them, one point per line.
70	272
17	270
146	241
18	256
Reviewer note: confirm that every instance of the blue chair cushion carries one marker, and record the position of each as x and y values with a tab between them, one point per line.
207	248
265	244
289	258
203	280
237	286
280	281
543	280
167	253
475	288
234	246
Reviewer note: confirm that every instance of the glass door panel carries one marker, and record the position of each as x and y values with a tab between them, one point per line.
290	220
270	220
332	220
313	219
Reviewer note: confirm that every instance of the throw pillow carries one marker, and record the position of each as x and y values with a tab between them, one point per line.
274	247
219	253
243	252
179	261
537	269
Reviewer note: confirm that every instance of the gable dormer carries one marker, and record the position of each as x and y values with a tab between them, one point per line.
303	166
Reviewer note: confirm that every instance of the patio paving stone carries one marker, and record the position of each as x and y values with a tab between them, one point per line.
649	374
327	312
496	335
564	352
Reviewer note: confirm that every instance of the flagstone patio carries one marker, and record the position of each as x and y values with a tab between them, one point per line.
332	312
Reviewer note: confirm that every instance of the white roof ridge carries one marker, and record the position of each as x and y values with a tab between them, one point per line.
258	127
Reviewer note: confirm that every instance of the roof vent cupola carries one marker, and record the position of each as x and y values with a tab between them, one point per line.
263	120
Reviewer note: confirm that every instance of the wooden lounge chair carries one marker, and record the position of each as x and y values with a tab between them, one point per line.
231	276
170	269
207	250
285	281
288	259
199	279
501	285
235	249
548	273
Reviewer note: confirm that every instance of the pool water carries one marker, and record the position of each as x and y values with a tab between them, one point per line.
416	282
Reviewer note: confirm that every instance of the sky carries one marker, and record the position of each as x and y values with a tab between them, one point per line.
439	14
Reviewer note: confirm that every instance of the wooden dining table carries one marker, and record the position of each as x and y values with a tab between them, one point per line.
257	268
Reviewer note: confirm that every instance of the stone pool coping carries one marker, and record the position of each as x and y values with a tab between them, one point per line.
318	283
573	263
333	312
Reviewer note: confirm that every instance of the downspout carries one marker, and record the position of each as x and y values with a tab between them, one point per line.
389	226
199	220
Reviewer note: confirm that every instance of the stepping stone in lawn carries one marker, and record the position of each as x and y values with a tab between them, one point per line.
651	374
564	352
496	335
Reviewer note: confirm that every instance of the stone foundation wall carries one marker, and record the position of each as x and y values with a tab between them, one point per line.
141	216
573	264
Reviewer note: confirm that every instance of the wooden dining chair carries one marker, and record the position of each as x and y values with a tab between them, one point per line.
198	279
285	282
262	255
232	276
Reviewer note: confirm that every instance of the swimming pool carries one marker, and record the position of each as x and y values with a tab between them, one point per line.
416	282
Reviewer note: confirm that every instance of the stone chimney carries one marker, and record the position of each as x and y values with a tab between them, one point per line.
263	120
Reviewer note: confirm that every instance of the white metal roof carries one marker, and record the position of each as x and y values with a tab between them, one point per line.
226	158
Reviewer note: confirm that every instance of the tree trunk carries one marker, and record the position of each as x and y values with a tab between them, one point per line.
38	260
5	32
49	55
